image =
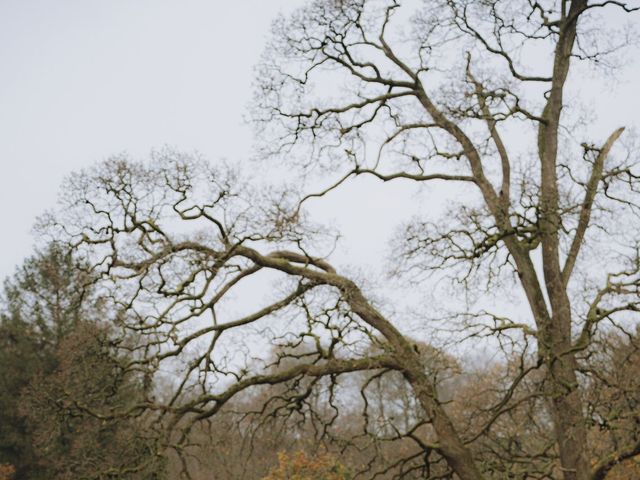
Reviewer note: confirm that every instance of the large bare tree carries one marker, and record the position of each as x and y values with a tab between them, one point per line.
451	99
473	93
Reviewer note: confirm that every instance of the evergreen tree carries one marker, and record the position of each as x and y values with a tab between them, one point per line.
64	390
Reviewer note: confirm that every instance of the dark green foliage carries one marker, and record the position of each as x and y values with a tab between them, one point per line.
20	359
83	416
63	390
41	303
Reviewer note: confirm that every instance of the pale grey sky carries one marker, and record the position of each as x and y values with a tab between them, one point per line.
84	79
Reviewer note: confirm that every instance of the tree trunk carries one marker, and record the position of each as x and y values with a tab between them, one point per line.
456	453
570	430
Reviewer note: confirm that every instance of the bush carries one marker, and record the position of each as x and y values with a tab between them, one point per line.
301	467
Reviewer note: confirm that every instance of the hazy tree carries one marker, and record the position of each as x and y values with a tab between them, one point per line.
456	101
377	416
612	397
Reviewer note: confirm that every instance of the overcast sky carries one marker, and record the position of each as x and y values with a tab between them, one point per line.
82	80
85	79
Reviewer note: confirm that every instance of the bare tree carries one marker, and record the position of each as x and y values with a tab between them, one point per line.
172	288
173	241
445	119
